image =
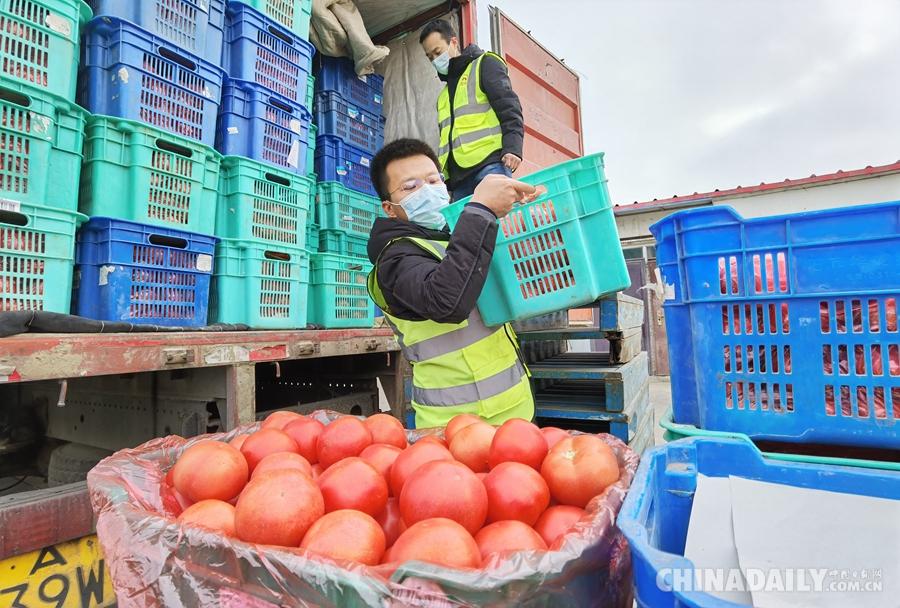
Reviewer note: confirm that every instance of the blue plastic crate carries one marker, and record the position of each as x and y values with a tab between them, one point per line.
791	322
130	73
338	161
260	50
657	509
335	116
337	74
143	274
256	123
196	26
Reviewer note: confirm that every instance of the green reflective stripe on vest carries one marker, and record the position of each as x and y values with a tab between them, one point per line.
468	124
472	392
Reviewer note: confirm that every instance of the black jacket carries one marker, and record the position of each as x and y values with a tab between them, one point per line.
415	284
504	101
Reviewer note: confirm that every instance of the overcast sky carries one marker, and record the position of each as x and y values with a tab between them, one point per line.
693	95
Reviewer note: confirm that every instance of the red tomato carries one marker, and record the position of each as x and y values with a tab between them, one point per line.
412	458
214	515
353	483
280	419
343	438
516	491
210	469
433	439
518	440
458	423
386	429
346	534
556	521
238	441
391	522
317	471
472	444
264	442
382	457
507	536
306	432
579	468
444	488
553	435
481	476
437	541
278	508
282	460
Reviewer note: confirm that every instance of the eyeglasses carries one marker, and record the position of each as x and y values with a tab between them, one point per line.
411	185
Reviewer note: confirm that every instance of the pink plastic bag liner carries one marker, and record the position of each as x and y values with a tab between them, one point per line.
154	561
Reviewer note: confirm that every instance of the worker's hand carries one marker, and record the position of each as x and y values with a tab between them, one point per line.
511	161
499	193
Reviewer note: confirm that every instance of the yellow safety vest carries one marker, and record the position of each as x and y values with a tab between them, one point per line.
459	367
470	126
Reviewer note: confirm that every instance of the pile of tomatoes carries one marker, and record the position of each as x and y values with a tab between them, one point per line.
356	490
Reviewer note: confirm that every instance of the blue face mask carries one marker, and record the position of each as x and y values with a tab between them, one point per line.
441	63
424	206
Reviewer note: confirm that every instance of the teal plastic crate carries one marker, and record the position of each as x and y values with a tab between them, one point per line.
136	172
312	236
338	292
558	252
39	43
41	139
310	93
311	150
349	211
261	203
293	14
335	241
262	286
37	251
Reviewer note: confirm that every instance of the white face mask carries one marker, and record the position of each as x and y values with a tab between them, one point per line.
441	63
424	206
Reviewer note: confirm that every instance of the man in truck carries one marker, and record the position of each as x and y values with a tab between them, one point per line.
427	280
479	114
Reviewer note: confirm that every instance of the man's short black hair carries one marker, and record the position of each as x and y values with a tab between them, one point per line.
396	150
441	26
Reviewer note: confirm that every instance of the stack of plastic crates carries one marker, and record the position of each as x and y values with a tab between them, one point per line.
350	123
41	133
785	328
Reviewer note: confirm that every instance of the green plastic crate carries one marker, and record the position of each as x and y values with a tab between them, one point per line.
557	252
311	150
349	211
37	251
41	139
261	203
310	93
39	43
338	292
262	286
312	236
136	172
293	14
335	241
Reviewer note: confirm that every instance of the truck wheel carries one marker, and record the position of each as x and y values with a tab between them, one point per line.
70	463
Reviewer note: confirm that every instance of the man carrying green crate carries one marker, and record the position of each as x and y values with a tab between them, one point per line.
427	281
479	114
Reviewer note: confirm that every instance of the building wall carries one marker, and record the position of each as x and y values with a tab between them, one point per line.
875	189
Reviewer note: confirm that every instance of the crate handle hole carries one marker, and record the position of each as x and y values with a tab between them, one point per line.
277	179
179	59
15	98
281	35
275	103
276	255
13	218
174	148
168	241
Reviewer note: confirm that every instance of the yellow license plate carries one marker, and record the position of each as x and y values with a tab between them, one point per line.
68	574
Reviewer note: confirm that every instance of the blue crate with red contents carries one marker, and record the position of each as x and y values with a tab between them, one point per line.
258	124
338	161
337	75
142	274
785	328
130	73
260	50
360	128
196	26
